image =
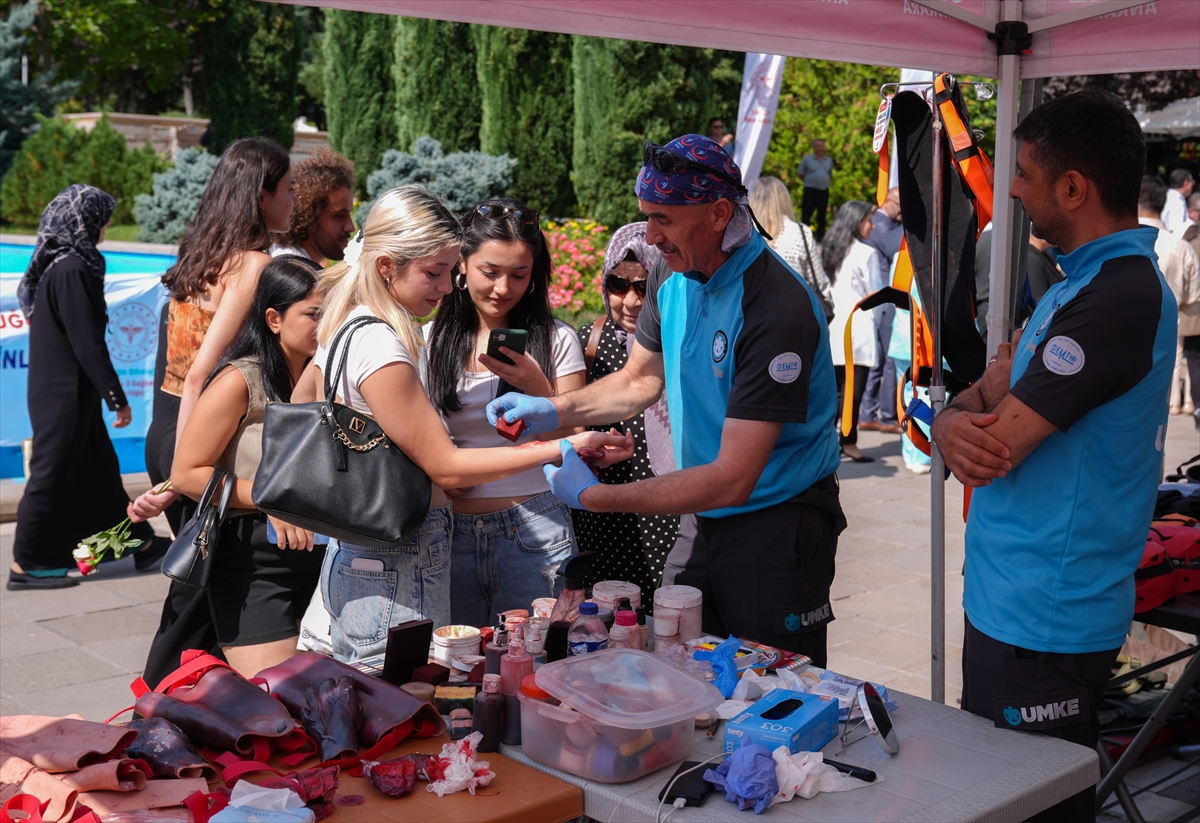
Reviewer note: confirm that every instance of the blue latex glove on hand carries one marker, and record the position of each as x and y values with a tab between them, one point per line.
538	413
568	481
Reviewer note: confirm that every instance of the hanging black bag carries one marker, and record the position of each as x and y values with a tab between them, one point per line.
191	556
332	470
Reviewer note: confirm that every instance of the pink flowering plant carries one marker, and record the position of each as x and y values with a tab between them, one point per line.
577	260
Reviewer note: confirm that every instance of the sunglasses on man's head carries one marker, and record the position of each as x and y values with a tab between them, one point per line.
498	211
667	162
615	284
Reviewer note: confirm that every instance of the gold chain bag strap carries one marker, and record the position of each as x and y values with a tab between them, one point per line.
332	470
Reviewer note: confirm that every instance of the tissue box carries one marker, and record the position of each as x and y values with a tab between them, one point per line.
802	722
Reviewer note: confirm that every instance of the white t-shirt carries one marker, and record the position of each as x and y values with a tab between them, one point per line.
371	348
859	276
469	426
277	250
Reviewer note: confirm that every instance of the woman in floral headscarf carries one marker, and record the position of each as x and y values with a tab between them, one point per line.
74	487
631	547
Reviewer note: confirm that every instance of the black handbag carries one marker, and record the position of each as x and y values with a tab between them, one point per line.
190	558
331	470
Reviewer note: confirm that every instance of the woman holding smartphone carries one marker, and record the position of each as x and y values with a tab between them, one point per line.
510	534
397	267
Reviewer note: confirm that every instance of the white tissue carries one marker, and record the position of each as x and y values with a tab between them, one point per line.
805	774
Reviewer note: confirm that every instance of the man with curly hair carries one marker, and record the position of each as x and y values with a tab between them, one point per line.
321	224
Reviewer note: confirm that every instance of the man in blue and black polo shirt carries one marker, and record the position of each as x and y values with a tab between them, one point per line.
1064	437
738	342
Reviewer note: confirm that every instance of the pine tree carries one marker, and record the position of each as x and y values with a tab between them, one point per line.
527	110
359	93
164	214
437	92
627	92
250	67
20	103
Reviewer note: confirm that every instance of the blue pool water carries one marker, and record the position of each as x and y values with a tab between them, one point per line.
15	258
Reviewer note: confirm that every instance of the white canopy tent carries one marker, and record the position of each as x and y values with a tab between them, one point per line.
1032	39
1180	119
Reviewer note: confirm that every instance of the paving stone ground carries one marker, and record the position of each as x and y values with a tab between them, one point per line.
76	650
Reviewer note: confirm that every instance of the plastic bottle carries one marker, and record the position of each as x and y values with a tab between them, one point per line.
514	666
489	714
587	634
535	645
624	633
643	629
495	650
566	608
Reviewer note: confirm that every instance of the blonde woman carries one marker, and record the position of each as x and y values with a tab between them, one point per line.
399	266
772	205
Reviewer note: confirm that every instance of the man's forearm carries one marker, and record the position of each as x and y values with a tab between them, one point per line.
970	400
616	397
696	489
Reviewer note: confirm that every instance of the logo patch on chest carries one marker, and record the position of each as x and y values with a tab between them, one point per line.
720	346
785	368
1062	355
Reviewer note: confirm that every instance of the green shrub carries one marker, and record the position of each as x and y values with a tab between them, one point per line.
20	103
461	179
165	213
41	168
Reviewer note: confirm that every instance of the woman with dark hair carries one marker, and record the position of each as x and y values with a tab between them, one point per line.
259	588
212	284
509	534
856	271
630	547
74	486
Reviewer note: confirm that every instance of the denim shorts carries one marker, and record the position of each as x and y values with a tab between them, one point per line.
507	559
414	584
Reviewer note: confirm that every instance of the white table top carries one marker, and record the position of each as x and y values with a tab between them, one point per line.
952	765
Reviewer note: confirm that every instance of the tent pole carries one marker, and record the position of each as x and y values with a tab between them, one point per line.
937	397
1001	309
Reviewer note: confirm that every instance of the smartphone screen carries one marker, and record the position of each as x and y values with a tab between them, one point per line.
509	338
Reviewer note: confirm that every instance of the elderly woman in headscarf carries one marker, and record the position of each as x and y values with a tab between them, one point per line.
74	487
631	547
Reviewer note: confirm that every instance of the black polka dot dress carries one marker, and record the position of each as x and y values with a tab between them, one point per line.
630	547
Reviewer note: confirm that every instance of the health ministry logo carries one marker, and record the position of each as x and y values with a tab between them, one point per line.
132	333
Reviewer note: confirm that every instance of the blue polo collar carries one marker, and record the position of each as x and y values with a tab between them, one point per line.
731	270
1088	258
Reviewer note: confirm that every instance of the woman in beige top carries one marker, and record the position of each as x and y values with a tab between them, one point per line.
259	587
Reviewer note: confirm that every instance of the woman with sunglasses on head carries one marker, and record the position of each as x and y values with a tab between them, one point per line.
631	547
509	535
856	269
397	268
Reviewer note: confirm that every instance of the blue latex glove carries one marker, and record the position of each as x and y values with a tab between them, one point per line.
569	480
723	663
748	777
538	413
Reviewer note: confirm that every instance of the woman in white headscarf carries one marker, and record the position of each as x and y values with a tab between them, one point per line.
631	547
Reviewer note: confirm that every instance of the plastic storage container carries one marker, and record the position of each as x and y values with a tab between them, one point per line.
609	592
624	714
455	641
683	603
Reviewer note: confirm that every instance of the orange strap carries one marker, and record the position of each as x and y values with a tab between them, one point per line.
885	171
972	164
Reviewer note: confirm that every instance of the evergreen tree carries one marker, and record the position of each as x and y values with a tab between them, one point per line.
20	103
40	170
527	110
250	67
165	213
359	87
627	92
437	92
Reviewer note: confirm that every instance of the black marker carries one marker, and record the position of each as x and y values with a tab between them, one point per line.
854	771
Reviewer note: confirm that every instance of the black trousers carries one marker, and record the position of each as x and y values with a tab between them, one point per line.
1053	694
766	575
814	201
1191	353
860	386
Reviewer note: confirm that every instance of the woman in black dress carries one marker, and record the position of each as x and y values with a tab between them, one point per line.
630	547
74	487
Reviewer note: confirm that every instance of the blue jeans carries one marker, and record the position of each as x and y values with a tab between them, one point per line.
363	603
507	559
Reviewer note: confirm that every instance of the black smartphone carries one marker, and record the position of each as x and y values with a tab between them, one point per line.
692	787
407	649
514	339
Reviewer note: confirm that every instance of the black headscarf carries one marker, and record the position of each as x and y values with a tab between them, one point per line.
70	225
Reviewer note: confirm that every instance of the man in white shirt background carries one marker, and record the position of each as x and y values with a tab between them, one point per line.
1181	270
1174	213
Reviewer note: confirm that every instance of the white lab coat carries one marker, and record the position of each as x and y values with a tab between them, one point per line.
861	274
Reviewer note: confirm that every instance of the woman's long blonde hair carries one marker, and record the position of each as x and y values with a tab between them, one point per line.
771	203
405	224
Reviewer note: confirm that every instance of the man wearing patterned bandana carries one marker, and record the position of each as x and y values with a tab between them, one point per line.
738	342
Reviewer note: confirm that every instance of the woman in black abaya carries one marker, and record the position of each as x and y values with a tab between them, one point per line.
74	487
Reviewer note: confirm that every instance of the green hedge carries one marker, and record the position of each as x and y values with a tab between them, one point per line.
59	154
437	92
